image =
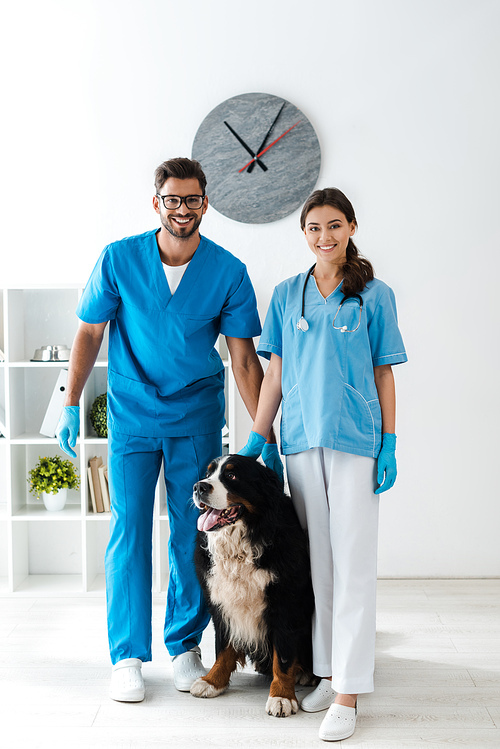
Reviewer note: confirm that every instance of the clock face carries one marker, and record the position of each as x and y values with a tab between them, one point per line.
260	155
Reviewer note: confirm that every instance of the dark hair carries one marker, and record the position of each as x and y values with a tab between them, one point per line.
180	168
357	270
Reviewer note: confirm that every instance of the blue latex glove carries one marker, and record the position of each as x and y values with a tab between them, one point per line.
386	464
254	445
67	429
271	457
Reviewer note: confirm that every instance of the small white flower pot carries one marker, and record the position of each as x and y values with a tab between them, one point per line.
55	502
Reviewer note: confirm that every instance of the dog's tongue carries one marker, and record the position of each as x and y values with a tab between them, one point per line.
208	519
218	518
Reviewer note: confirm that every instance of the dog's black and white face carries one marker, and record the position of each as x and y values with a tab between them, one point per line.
233	487
215	495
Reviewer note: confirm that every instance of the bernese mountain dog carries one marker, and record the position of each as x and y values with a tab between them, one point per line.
253	565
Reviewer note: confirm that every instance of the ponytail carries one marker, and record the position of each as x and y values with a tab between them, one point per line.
357	271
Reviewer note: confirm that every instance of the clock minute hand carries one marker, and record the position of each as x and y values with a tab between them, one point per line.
247	148
250	168
270	145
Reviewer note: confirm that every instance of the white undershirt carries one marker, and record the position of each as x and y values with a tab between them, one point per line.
174	275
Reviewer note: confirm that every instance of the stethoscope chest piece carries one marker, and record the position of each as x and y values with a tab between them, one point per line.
302	324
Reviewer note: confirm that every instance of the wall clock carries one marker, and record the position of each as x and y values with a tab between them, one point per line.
260	155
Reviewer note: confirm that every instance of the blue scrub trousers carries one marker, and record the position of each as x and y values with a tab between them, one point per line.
134	465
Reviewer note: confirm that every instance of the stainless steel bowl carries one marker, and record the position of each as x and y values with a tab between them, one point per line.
51	353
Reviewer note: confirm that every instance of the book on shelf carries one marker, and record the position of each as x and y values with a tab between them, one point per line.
103	479
55	407
91	487
94	464
98	484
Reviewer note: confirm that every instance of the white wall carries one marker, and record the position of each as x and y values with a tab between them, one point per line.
404	98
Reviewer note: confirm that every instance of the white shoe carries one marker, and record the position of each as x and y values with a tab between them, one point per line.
319	699
339	723
127	684
187	668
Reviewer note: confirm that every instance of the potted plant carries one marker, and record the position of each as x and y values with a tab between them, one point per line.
99	415
51	478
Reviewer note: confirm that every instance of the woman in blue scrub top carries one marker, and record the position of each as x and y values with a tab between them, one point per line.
331	336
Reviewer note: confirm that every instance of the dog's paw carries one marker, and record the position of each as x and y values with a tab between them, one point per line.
203	688
307	679
281	707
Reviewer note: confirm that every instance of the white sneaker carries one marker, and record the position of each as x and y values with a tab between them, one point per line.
187	668
127	684
339	723
319	699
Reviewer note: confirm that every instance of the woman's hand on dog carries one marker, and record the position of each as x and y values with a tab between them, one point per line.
256	445
272	459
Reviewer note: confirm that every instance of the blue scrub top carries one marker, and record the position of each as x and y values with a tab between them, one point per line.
329	394
165	378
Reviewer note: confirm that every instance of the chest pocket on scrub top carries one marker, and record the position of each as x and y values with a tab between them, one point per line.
196	325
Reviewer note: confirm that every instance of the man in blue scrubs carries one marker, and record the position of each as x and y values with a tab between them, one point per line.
166	294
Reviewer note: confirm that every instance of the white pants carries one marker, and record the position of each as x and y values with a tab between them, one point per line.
333	495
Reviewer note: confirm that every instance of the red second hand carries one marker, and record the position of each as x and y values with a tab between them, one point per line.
269	146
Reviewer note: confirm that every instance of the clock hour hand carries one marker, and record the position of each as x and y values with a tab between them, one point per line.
250	168
240	140
270	145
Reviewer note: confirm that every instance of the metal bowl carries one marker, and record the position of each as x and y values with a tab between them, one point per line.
52	353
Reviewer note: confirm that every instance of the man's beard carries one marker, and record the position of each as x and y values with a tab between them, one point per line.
180	233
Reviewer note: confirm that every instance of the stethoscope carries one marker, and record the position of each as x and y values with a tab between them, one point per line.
303	325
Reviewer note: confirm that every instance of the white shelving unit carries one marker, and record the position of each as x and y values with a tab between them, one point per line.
56	553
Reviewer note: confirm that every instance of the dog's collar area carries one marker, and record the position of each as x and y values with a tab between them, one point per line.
212	519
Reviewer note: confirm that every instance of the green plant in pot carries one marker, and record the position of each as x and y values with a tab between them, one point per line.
50	479
99	415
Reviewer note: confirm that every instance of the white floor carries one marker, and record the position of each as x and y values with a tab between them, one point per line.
437	680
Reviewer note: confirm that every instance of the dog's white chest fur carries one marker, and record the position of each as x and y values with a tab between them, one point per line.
237	585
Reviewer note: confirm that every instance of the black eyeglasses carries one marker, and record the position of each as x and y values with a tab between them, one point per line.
171	202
